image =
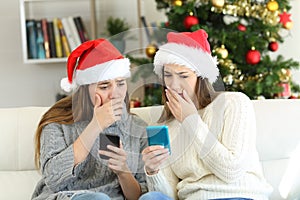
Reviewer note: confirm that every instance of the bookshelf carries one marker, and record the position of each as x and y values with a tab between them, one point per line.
50	9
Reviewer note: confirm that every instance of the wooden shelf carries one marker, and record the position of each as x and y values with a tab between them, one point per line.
48	60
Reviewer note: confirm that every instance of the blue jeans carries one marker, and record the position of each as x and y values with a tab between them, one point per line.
154	196
91	196
233	198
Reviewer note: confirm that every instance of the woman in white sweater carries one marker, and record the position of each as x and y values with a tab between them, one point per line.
213	150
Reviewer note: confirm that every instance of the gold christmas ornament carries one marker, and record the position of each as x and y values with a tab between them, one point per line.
272	5
151	50
228	80
288	25
177	3
222	51
218	3
284	75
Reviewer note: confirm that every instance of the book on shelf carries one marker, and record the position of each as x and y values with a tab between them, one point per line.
54	38
51	39
81	29
64	41
31	35
46	38
69	34
57	38
74	30
40	40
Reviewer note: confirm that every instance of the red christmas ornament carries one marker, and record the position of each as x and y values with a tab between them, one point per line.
242	27
284	18
273	46
253	57
190	21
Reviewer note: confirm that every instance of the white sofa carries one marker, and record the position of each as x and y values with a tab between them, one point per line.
278	137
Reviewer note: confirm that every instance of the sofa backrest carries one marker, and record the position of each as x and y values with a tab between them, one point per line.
17	129
278	136
278	144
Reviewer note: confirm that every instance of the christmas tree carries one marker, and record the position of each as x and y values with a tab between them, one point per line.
242	33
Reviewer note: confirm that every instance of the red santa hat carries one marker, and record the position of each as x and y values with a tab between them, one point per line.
190	49
94	61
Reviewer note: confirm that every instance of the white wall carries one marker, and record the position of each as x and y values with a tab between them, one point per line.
290	47
22	84
37	84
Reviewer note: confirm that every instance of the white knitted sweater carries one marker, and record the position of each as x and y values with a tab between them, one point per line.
213	154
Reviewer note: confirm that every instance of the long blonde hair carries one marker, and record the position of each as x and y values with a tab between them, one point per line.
204	92
73	108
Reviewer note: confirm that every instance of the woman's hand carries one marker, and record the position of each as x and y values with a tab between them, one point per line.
107	113
181	107
153	157
117	161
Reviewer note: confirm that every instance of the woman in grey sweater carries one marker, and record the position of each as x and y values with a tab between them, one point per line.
67	139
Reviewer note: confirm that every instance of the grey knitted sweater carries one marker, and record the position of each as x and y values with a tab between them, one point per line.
61	180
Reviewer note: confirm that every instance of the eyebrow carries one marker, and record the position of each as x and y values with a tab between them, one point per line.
180	73
104	83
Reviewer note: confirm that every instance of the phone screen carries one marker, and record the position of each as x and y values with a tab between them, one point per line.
106	139
158	135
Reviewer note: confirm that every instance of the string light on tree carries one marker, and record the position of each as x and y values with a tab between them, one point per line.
253	56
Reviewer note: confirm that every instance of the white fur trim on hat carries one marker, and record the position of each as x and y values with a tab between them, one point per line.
201	62
66	85
104	71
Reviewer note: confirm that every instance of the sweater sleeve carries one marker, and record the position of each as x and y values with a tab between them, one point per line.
164	181
57	158
226	157
141	176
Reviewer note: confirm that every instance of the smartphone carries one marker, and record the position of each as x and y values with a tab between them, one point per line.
107	139
158	135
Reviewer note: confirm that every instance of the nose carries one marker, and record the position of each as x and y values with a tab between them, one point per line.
113	92
175	85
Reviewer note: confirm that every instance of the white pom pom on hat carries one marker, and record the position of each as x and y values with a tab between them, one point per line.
94	61
190	49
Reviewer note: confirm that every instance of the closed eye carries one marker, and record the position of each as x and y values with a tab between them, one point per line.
120	83
182	76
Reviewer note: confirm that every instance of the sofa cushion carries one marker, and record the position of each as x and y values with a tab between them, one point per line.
18	184
277	131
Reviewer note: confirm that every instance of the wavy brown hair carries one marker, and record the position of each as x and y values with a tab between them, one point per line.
73	108
205	94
